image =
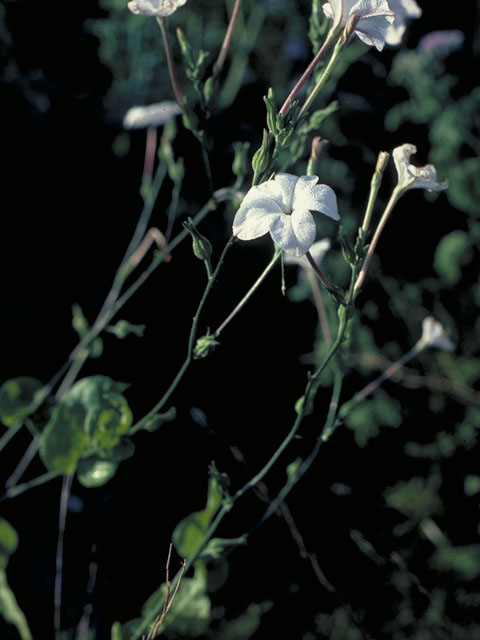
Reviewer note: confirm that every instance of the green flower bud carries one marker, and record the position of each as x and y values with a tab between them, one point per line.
205	345
270	103
262	157
240	161
201	245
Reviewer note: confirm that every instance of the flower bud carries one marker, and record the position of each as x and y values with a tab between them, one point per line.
261	158
205	345
201	245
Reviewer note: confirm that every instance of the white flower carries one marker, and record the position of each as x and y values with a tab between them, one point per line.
317	251
153	115
441	41
411	177
282	208
157	8
375	17
402	9
434	335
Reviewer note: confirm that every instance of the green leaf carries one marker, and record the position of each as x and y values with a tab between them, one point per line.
90	419
417	498
8	542
190	532
366	419
16	398
95	472
10	610
452	252
462	560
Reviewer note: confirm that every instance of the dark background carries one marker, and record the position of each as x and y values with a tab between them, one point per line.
69	208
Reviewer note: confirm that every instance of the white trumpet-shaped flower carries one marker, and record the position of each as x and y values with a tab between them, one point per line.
374	18
411	177
402	9
152	115
434	335
157	8
282	207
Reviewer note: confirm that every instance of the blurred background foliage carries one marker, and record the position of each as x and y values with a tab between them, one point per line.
384	538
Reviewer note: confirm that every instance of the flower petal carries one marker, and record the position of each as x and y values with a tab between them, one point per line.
315	197
266	190
304	229
282	234
287	183
255	218
158	8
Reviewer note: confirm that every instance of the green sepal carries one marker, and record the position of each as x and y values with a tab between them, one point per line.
347	251
217	547
156	421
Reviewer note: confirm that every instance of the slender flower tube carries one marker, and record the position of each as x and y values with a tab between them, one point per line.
157	8
282	207
374	18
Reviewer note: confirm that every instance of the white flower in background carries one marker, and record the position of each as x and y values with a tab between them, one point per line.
441	41
153	115
411	177
375	18
282	208
402	9
317	251
157	8
434	335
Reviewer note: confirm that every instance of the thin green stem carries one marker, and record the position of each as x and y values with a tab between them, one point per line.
396	194
25	486
9	433
382	161
250	292
191	343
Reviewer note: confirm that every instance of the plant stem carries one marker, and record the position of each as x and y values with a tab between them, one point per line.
9	433
396	194
227	39
170	64
249	293
382	161
325	75
332	34
191	343
21	488
62	519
